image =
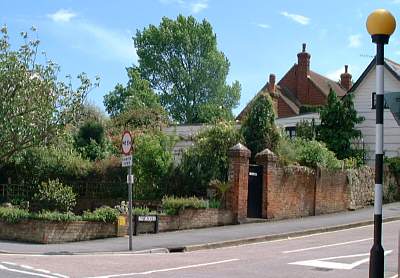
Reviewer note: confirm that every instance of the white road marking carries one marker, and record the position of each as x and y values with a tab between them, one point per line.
394	276
30	268
324	262
165	269
325	246
2	267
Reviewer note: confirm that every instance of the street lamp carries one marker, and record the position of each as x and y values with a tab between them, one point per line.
380	25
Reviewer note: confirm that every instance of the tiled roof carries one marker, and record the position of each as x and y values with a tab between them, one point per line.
326	84
394	66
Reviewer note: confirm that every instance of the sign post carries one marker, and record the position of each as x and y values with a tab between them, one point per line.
127	162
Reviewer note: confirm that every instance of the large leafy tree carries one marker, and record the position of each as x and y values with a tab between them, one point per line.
135	104
258	128
338	121
181	60
34	105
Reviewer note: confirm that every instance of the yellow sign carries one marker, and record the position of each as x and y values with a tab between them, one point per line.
121	221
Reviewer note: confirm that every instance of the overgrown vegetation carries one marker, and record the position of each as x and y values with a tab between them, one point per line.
308	153
172	205
207	159
54	196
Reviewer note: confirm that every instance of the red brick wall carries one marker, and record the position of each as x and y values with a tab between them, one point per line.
56	232
331	192
290	192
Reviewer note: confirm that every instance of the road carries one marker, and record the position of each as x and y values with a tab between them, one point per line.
335	254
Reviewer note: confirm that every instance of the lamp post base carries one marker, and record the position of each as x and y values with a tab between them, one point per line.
376	262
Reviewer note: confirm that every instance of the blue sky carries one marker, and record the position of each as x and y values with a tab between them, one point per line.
259	37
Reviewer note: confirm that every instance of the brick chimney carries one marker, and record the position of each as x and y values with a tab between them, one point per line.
271	87
345	79
271	83
303	70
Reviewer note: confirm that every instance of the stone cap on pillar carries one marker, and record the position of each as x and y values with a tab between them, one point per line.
239	150
266	156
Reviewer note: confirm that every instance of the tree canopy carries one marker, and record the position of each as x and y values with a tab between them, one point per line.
181	60
33	103
337	129
259	129
135	104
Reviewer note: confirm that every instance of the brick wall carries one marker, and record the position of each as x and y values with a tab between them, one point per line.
195	218
56	232
331	191
291	192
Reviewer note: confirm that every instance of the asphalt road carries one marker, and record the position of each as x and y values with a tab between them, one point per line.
335	254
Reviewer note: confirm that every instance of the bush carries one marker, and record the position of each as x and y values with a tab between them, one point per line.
123	208
106	215
207	159
56	216
152	163
305	129
172	205
55	196
307	153
13	215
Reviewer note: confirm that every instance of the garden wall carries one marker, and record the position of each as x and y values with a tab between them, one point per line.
188	219
55	232
296	191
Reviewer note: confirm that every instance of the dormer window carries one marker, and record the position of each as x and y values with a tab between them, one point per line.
386	106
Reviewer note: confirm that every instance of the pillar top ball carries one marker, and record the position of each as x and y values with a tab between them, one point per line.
381	22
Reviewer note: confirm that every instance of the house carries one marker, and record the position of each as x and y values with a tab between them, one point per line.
300	89
364	103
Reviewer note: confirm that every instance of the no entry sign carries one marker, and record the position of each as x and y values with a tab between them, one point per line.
126	143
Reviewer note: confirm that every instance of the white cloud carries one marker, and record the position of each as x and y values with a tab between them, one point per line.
355	41
93	39
115	43
198	6
62	16
263	25
303	20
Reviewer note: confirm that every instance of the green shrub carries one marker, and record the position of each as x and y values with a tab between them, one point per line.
394	164
56	216
123	208
214	203
106	215
55	196
13	215
305	129
152	163
172	205
207	159
307	153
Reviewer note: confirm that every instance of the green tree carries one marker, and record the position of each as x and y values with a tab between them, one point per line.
135	105
181	60
90	140
259	129
338	121
34	105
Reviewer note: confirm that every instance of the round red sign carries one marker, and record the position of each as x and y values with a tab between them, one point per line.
126	142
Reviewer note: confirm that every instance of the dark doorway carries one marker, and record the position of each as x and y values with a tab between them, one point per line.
254	197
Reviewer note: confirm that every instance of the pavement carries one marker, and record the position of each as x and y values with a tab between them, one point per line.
342	253
207	238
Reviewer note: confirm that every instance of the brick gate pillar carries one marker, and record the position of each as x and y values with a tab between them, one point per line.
269	161
238	176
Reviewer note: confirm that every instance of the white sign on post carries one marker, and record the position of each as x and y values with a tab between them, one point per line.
126	160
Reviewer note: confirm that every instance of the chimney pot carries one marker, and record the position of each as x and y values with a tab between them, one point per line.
304	47
345	68
271	83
